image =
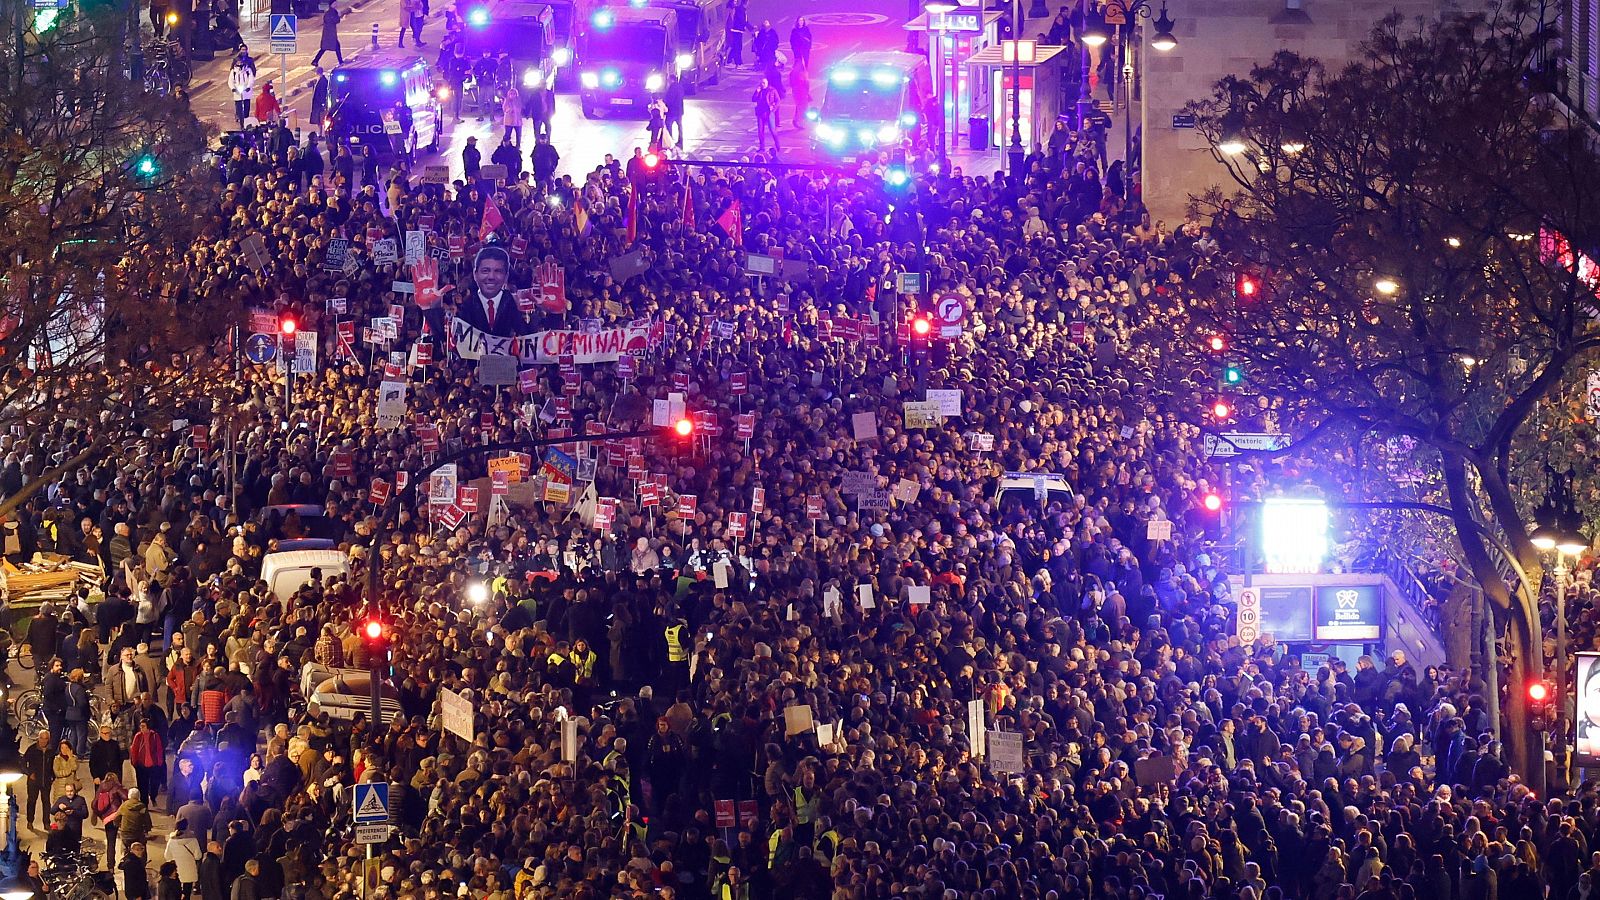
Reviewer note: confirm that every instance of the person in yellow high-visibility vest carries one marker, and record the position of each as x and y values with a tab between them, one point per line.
807	805
731	886
678	647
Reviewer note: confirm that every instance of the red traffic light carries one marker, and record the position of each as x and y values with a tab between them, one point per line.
1247	286
921	326
1212	501
1538	692
684	427
652	160
288	325
1221	410
373	630
1218	343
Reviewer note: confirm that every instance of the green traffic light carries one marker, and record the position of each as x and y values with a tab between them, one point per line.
1233	375
146	166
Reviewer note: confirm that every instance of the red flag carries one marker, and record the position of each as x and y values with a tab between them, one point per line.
633	212
688	205
580	217
492	220
732	221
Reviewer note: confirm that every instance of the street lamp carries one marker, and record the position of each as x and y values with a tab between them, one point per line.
937	11
1558	530
12	859
1164	41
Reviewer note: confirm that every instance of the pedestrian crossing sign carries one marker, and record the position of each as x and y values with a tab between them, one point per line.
284	28
372	803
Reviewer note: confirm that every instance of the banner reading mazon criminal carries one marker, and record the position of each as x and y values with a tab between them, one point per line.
605	345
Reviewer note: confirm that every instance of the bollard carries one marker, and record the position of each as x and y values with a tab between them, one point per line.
374	35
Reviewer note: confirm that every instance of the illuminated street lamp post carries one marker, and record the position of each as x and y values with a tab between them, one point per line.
938	11
1124	14
1558	531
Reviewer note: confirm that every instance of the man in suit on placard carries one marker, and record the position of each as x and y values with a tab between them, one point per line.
490	307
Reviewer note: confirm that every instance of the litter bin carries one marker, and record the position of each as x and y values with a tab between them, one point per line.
978	133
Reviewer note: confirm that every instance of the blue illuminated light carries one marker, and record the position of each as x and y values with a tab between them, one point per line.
885	78
610	77
478	17
341	77
897	177
844	76
908	119
604	18
388	77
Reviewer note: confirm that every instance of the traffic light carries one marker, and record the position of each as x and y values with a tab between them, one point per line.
652	162
683	428
1232	373
375	641
1221	410
287	326
1540	709
1218	343
921	327
146	166
1212	501
1246	286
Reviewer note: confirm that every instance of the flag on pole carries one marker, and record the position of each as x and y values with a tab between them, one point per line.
688	204
633	212
732	221
580	218
492	220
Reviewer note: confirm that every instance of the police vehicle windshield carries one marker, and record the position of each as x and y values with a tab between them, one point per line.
520	38
873	99
627	42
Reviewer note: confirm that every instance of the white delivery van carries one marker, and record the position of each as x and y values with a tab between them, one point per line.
289	571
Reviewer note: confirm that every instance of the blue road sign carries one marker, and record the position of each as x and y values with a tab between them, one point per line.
372	803
261	348
284	32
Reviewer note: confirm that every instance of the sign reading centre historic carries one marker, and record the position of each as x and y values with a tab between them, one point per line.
605	345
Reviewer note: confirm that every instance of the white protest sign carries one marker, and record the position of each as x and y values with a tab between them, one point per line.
920	593
456	714
391	404
864	596
976	729
1005	751
832	603
949	401
864	425
797	720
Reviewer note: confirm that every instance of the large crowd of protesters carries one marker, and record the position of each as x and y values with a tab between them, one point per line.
1160	757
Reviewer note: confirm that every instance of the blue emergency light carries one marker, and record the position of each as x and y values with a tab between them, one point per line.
604	19
885	77
843	76
388	77
478	17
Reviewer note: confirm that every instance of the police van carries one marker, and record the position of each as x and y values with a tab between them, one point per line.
523	30
702	38
370	97
625	55
874	101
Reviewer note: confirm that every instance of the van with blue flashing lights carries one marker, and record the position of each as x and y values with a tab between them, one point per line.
523	30
362	109
874	101
702	39
625	56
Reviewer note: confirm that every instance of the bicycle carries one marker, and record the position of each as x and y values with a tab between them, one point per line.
31	721
166	67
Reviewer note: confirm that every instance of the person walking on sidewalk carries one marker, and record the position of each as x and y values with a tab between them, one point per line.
411	16
109	795
319	99
242	84
766	100
330	36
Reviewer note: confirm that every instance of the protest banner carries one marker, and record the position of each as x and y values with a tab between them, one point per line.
545	347
922	414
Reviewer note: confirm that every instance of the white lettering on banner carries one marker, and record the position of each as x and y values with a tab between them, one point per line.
545	347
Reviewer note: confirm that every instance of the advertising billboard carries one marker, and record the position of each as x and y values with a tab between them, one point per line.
1586	750
1352	612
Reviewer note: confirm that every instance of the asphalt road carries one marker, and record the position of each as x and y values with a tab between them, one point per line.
719	121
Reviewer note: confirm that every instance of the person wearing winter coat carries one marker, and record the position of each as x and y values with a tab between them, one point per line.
185	850
511	109
267	106
109	796
242	84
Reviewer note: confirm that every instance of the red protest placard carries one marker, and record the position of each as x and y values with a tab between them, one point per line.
467	498
499	484
378	494
649	495
424	354
519	249
528	381
738	523
687	504
814	507
627	367
201	436
525	301
758	500
571	383
747	426
401	479
739	383
725	817
452	516
343	464
458	246
680	381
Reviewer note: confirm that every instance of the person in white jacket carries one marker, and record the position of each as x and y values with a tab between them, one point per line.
185	851
242	82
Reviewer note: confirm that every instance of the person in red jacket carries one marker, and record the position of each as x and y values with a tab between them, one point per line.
149	757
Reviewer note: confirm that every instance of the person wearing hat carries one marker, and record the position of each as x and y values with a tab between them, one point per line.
471	159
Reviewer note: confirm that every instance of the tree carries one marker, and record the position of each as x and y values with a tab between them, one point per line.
103	188
1406	219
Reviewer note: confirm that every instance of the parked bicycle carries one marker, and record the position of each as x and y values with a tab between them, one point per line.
76	876
31	721
166	66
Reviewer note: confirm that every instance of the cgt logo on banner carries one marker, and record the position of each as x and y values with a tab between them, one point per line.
544	347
